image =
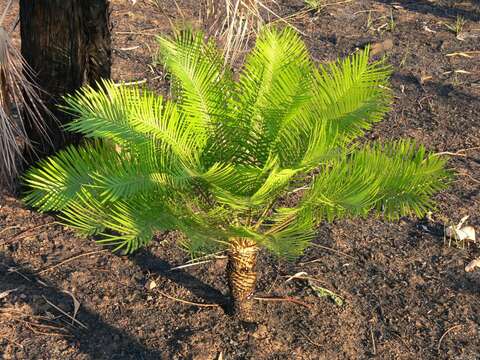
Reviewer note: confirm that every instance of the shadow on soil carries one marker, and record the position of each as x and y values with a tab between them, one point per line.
149	262
469	284
441	89
99	341
437	9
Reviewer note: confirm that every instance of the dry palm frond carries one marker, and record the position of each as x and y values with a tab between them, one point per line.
233	23
20	104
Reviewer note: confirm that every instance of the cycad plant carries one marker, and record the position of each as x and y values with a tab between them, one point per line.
235	163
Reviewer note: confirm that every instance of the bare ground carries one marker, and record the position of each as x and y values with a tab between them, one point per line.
404	289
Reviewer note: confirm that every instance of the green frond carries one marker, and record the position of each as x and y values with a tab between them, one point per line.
343	188
176	137
408	177
263	185
109	113
291	242
276	182
85	213
352	94
242	180
274	85
396	179
348	98
111	175
138	121
133	222
57	180
204	229
202	87
307	144
200	237
289	233
129	179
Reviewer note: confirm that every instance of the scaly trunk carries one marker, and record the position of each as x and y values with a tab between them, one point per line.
242	258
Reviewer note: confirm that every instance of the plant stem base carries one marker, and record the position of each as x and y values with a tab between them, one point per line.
242	277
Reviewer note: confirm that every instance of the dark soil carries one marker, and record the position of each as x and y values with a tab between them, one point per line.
404	289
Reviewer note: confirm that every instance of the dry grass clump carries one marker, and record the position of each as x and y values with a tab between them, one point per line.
233	23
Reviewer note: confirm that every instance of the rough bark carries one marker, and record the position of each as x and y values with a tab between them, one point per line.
242	277
67	43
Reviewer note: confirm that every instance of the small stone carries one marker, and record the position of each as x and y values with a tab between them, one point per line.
381	47
150	285
474	264
261	332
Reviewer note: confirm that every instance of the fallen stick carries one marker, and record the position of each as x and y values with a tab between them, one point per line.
188	302
461	152
64	313
445	334
69	260
286	298
24	233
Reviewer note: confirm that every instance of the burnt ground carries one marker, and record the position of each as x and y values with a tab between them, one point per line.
404	289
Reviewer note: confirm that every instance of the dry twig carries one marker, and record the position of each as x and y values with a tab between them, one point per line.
445	334
25	233
190	265
188	302
461	152
69	260
285	298
310	340
329	249
373	342
64	313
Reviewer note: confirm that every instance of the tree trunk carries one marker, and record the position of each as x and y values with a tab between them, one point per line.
242	258
67	43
